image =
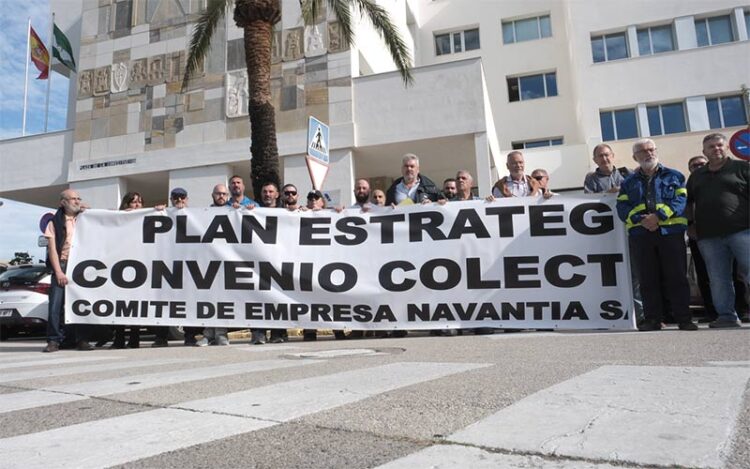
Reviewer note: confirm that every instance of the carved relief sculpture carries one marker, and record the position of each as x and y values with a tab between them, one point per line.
314	41
237	94
85	88
101	81
293	44
336	42
276	47
138	73
119	77
156	69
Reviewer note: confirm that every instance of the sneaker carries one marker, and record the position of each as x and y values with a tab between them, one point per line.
83	346
258	338
160	343
51	347
222	340
688	326
202	343
191	342
649	326
723	324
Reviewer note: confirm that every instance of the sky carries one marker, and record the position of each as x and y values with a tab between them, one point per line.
13	29
19	223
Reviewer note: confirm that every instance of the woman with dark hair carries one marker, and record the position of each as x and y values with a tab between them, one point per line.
130	201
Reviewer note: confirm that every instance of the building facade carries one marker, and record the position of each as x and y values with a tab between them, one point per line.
554	78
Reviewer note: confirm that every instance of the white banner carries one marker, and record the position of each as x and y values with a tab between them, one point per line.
513	263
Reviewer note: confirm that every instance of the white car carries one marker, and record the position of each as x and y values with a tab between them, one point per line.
24	299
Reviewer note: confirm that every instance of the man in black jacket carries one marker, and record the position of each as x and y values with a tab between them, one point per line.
411	185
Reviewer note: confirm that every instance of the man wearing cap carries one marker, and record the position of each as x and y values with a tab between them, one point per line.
179	199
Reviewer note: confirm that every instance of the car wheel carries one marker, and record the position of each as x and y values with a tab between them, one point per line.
176	333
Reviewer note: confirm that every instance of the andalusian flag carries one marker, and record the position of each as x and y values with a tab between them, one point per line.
62	51
39	54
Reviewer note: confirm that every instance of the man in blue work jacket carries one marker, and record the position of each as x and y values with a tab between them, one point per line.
651	202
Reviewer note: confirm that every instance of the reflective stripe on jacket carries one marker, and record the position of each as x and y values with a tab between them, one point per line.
666	198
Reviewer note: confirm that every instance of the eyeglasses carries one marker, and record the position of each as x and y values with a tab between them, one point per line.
313	197
695	166
539	178
179	197
647	150
72	198
290	193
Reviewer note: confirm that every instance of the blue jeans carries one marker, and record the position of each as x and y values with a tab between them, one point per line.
55	331
719	254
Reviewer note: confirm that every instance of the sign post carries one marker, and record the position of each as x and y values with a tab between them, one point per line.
318	145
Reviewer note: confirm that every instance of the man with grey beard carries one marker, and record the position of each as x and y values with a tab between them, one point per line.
652	203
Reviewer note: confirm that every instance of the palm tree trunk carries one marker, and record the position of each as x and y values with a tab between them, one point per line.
256	18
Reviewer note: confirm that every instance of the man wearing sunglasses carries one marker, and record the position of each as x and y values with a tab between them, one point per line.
290	197
542	177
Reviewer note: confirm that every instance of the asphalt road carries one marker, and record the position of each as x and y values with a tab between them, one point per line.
530	399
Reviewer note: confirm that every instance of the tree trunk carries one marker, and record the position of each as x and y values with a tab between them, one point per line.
256	18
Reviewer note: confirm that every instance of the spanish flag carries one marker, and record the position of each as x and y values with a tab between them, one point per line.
39	54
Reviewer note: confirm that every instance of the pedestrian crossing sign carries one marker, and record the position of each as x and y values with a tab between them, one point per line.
318	143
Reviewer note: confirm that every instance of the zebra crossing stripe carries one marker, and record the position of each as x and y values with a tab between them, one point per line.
452	456
84	390
55	361
287	401
673	416
118	440
6	357
63	371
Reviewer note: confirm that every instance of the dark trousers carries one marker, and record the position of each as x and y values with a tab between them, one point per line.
704	285
57	331
702	277
662	267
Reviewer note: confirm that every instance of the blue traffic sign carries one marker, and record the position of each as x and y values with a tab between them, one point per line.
739	144
317	140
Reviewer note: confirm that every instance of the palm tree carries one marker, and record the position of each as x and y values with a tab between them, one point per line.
257	19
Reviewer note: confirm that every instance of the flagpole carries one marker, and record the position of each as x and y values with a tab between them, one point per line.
26	81
49	69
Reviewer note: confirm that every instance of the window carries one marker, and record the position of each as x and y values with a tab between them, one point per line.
618	125
532	87
715	30
609	47
526	29
458	41
655	40
728	111
666	119
547	142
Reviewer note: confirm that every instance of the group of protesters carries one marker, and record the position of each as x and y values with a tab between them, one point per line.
656	204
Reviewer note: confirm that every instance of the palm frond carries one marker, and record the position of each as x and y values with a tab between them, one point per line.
310	9
200	42
389	34
342	10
